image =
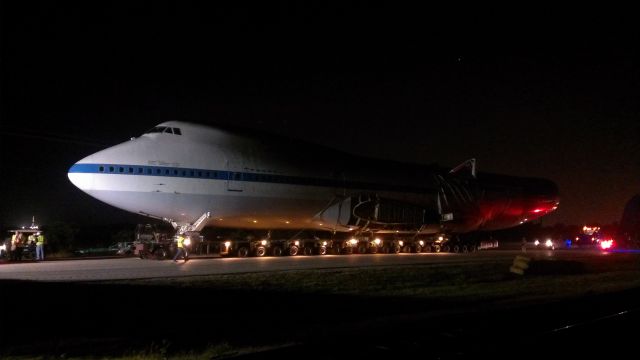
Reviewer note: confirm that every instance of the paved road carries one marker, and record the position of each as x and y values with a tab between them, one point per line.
134	268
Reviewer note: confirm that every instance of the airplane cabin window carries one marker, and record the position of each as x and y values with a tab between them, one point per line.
111	168
175	172
177	131
101	169
139	170
130	170
168	130
121	169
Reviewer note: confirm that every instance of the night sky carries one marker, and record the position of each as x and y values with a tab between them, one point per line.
542	94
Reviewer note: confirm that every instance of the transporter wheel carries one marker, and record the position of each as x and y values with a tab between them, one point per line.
308	251
362	249
243	251
277	251
293	251
396	249
418	248
444	248
348	250
406	249
456	248
322	250
374	250
261	251
386	250
336	250
472	248
465	249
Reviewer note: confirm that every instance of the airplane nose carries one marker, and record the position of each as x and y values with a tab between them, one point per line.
81	174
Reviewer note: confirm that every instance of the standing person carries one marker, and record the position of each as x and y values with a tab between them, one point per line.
39	246
524	244
17	248
180	251
11	248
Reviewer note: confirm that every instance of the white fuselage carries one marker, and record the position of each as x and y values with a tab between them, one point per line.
242	181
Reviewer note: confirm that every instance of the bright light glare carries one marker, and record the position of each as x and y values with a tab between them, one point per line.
440	238
548	243
324	243
227	243
421	243
297	243
606	244
353	241
536	243
377	241
401	243
187	241
264	242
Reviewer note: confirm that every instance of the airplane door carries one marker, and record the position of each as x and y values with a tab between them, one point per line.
234	177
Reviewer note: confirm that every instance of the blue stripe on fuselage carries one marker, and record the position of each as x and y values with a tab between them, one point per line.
165	171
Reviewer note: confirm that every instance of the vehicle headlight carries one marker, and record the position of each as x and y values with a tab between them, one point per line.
549	243
187	241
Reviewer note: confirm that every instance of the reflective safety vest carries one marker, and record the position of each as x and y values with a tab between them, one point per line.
180	241
40	240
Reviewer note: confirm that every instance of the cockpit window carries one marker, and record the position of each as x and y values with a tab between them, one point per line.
164	129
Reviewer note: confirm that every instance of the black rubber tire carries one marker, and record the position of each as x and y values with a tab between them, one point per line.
465	249
373	249
396	249
348	250
261	251
243	251
362	249
293	251
322	250
455	249
307	251
277	251
444	248
418	249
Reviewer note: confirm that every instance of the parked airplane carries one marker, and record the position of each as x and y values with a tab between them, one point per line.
194	175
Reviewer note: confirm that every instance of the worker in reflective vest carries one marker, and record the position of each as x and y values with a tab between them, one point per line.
180	251
40	247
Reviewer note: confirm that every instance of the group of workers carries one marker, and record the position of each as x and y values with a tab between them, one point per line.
17	243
